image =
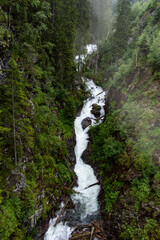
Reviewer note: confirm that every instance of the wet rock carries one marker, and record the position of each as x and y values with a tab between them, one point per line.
71	142
86	122
34	218
86	158
41	228
18	180
70	204
96	110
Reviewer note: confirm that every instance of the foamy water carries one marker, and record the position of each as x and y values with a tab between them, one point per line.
85	200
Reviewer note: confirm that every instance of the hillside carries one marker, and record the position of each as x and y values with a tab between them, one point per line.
126	146
41	95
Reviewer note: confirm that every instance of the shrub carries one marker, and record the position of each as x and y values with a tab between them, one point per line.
112	190
154	55
140	190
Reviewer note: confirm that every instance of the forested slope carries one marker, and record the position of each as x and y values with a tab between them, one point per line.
39	94
127	145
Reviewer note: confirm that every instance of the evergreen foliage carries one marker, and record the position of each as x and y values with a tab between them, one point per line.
38	97
126	145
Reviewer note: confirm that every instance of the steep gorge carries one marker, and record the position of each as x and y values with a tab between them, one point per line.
40	94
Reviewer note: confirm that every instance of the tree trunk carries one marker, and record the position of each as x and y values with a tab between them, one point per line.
14	125
97	58
9	23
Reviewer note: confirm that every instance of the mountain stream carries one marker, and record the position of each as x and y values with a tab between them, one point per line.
85	201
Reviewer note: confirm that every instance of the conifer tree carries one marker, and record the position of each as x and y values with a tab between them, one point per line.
65	17
122	25
116	42
83	24
15	112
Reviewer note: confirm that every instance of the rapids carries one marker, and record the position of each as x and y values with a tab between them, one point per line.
86	204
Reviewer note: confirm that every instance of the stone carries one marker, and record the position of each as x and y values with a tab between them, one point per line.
86	122
96	110
18	180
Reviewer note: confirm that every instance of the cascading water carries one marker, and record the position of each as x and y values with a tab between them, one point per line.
86	204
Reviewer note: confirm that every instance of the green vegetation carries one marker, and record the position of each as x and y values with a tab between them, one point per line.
126	145
112	191
148	232
40	91
39	95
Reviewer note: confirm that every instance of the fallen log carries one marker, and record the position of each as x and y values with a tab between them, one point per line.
94	224
60	178
66	162
81	227
70	189
73	183
92	232
42	235
100	93
98	236
61	213
92	185
95	119
80	236
67	165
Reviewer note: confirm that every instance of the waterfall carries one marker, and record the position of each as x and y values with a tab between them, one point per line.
86	204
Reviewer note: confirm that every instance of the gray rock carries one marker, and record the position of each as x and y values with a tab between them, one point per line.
86	122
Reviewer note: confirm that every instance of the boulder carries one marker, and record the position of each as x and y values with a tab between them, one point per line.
86	122
96	110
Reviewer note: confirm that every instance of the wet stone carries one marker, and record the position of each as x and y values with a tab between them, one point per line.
86	122
96	110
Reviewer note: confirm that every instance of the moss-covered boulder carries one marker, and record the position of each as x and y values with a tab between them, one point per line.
96	110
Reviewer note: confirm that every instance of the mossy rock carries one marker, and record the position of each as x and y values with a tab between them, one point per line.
96	110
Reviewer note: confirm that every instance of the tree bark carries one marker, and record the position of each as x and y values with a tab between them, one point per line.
81	236
97	57
61	213
92	185
92	232
14	124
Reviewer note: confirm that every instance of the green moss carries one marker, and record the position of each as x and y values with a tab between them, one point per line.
132	231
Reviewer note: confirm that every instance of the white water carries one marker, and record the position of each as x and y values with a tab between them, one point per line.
60	232
86	204
90	48
87	200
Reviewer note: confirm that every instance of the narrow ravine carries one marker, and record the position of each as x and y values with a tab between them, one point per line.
85	201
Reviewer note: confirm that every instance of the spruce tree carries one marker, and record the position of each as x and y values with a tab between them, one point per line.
116	42
122	25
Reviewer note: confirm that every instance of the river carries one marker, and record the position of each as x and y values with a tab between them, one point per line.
85	201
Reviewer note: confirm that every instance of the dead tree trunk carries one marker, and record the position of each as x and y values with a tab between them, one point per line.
97	57
92	185
61	213
14	124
